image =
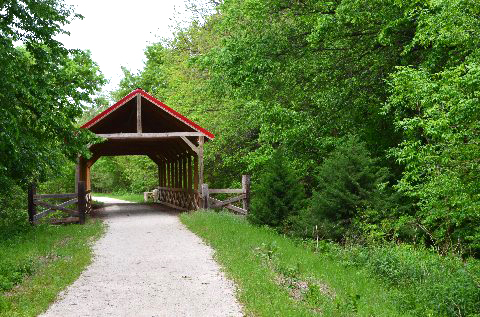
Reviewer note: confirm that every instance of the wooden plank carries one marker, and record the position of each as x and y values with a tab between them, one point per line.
49	211
167	170
226	191
82	203
228	201
195	172
189	173
190	144
231	207
200	160
180	172
246	189
172	189
139	113
123	136
185	173
47	196
236	209
55	207
205	196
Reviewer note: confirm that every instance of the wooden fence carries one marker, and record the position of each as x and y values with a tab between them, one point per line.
82	198
229	203
182	199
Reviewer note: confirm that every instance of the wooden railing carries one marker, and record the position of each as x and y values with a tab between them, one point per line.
182	199
229	203
178	198
83	199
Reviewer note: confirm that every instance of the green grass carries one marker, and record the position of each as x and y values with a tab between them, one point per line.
37	265
132	197
268	268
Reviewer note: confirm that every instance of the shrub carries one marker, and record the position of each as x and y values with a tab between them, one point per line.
428	284
278	194
349	181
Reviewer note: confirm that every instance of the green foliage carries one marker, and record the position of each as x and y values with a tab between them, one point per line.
135	174
37	264
258	256
278	196
400	75
350	181
427	284
13	213
42	92
440	149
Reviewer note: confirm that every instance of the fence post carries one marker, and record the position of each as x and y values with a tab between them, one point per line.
246	191
82	203
205	196
31	203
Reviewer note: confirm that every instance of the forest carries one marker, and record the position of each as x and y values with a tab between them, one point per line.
360	118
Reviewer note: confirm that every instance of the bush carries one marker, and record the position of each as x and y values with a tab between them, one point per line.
428	284
13	212
349	181
277	196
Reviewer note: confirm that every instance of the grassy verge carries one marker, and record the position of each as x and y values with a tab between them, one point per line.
37	265
277	277
133	197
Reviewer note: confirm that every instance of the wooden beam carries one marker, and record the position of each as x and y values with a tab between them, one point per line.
139	113
125	136
189	173
58	196
201	140
190	144
195	173
167	170
228	201
231	207
226	191
185	173
180	172
246	189
93	159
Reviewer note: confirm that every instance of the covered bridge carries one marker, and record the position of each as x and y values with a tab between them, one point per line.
140	124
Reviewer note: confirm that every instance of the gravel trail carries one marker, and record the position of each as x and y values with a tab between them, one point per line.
148	264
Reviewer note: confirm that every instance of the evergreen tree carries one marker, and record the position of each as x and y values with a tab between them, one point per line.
349	181
278	195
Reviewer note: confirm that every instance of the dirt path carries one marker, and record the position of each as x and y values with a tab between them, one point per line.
148	264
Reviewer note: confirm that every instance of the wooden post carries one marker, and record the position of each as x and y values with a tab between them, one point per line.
167	174
31	203
201	140
180	172
195	173
185	173
246	191
205	195
88	181
175	174
139	113
164	175
189	172
82	203
159	168
172	183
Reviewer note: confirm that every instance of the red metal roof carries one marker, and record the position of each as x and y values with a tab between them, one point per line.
156	102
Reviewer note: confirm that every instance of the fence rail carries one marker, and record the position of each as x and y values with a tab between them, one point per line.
244	197
184	199
82	198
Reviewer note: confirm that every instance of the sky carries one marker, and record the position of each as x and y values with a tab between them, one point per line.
117	32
